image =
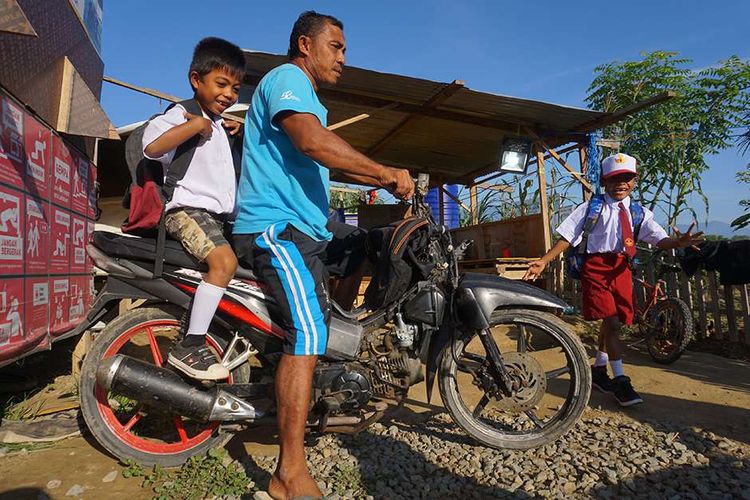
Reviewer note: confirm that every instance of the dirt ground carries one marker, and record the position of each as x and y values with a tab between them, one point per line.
700	390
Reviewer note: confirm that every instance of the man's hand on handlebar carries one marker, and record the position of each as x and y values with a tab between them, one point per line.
399	182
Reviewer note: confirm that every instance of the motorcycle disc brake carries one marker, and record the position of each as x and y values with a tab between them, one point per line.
530	381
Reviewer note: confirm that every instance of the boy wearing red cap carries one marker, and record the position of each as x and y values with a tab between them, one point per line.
606	277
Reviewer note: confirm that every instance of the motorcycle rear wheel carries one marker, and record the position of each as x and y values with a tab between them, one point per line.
548	361
128	429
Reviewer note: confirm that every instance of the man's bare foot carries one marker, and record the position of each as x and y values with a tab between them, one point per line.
298	485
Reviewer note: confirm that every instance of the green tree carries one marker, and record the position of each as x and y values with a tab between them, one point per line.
743	177
672	140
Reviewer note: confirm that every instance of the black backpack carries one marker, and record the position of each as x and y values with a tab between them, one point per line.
393	250
150	190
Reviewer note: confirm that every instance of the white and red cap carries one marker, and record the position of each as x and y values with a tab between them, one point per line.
619	163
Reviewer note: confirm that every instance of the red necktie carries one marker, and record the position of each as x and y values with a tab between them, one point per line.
626	231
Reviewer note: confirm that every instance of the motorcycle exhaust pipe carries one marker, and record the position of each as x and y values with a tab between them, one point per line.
160	387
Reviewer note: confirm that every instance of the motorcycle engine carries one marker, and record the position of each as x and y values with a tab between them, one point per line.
341	387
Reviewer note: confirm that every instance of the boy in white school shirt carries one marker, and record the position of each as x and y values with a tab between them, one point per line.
204	198
606	277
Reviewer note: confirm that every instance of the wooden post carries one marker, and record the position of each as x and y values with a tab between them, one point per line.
474	205
701	303
583	157
745	311
685	294
672	280
543	202
713	292
731	317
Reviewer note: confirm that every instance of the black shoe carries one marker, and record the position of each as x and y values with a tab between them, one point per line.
624	392
198	362
601	380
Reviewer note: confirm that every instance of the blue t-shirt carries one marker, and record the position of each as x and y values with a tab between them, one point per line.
278	183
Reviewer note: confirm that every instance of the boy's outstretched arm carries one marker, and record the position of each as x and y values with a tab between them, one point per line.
175	136
536	267
682	240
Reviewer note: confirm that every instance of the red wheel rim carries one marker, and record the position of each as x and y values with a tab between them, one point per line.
124	431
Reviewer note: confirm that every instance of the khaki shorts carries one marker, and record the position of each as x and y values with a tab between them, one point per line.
198	230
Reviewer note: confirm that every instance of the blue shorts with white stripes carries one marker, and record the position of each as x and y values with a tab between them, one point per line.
296	269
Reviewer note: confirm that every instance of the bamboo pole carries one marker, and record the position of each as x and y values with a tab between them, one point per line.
685	290
543	201
474	205
701	304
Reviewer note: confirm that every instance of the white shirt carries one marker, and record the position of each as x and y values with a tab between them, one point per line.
209	182
606	236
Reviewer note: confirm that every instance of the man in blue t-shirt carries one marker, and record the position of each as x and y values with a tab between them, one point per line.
282	229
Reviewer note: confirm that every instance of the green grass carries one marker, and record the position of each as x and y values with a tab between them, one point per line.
200	477
347	478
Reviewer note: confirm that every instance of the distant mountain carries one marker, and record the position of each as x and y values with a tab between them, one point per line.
717	228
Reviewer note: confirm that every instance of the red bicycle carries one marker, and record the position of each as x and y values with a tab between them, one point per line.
665	324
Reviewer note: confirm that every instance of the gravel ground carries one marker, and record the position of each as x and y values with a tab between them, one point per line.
603	456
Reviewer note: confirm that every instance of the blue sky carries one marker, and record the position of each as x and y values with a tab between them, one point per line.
545	50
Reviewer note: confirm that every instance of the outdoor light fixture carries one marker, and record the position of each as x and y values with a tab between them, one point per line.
515	155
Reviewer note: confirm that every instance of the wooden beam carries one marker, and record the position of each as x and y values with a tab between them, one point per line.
440	96
559	159
505	188
143	90
626	111
543	201
360	117
474	205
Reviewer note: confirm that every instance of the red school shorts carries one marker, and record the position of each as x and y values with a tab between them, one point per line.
607	286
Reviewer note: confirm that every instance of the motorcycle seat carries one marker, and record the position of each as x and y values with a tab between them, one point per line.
143	249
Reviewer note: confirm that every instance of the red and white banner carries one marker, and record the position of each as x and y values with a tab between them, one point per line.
11	143
79	196
60	244
11	311
37	306
36	260
47	207
59	305
11	231
93	192
78	246
62	172
38	153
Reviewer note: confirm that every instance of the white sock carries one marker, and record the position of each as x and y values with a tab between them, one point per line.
601	358
206	300
616	365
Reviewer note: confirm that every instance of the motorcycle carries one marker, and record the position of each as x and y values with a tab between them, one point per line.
509	371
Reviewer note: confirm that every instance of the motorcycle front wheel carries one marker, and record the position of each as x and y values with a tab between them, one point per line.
549	368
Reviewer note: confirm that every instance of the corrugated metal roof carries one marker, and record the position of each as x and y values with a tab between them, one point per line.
459	135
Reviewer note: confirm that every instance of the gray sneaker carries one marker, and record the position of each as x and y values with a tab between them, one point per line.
198	362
